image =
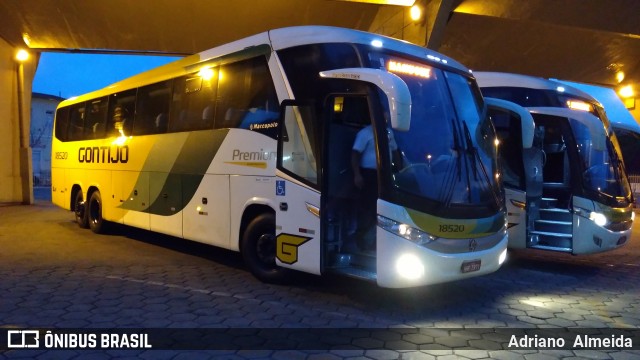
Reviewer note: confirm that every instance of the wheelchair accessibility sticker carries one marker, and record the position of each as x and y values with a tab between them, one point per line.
280	188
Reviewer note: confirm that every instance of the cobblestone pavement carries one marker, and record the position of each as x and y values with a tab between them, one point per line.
56	275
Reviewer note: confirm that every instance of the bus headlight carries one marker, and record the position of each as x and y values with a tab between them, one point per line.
409	267
598	218
633	215
403	230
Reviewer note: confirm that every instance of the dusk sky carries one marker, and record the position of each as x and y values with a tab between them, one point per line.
67	75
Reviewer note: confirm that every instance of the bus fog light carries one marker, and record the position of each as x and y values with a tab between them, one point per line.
598	218
503	257
409	267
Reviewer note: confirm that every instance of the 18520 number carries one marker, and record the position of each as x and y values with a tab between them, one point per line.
451	228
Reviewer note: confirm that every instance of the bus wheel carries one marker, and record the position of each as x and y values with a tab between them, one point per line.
94	213
259	249
80	209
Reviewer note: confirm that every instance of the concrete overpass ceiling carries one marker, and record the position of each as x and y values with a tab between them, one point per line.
579	40
166	26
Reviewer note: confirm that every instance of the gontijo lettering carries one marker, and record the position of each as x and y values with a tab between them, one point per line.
104	154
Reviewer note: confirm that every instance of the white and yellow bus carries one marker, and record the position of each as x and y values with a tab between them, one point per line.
566	185
247	147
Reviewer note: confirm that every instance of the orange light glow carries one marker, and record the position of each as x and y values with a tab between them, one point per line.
579	105
402	68
22	55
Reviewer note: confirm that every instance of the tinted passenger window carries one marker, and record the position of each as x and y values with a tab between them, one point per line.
152	108
246	96
76	122
122	108
95	123
193	104
62	122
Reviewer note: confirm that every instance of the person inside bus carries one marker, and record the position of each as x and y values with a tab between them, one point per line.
365	178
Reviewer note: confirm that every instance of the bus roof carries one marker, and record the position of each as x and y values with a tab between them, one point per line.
617	113
275	40
501	79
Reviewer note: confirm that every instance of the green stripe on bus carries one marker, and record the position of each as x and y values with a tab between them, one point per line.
176	175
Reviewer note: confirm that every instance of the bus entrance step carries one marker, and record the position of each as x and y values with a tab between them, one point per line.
357	272
553	226
365	260
552	248
555	214
549	240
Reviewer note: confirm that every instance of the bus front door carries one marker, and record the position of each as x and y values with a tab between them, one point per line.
297	189
521	163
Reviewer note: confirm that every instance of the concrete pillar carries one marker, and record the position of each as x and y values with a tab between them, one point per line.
16	181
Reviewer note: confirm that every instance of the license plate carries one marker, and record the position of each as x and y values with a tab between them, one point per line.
471	266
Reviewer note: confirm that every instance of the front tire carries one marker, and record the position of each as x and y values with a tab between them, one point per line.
80	210
94	213
259	249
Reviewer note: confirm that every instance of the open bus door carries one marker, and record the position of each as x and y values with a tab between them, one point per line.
521	160
297	188
300	177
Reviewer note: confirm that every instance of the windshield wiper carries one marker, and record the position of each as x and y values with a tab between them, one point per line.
476	160
451	175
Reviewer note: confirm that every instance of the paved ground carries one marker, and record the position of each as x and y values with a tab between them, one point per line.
55	275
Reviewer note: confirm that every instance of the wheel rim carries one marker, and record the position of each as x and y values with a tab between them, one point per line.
266	250
79	208
94	211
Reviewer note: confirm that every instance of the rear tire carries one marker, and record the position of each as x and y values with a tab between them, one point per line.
80	209
94	213
259	249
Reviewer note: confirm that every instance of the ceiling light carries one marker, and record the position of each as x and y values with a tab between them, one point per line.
416	13
22	55
626	91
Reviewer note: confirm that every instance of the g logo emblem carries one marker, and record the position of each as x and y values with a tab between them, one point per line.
287	247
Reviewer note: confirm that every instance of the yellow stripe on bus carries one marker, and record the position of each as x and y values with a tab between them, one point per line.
259	164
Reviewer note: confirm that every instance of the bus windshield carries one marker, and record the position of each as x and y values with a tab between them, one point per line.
603	169
449	152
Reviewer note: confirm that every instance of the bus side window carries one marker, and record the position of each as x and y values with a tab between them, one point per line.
509	130
247	96
122	107
193	101
94	125
76	122
152	108
62	122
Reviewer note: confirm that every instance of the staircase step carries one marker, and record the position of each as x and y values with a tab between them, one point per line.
552	248
552	234
557	222
357	273
556	210
550	239
556	214
553	226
